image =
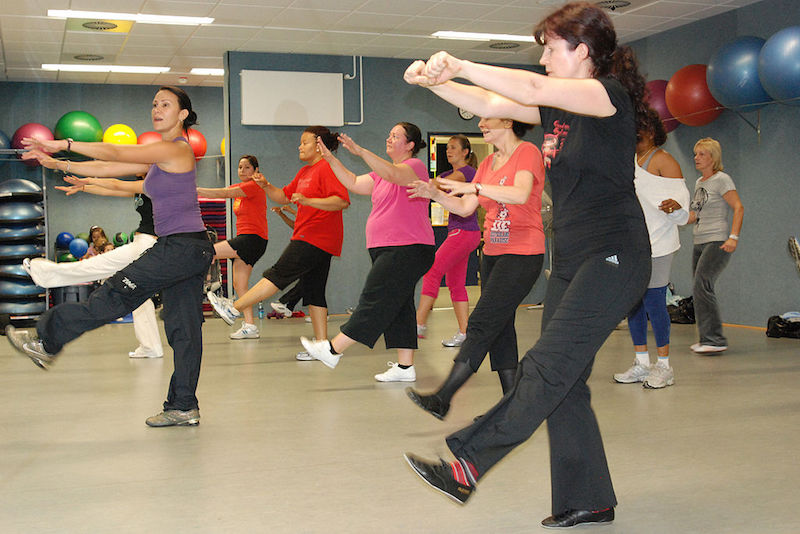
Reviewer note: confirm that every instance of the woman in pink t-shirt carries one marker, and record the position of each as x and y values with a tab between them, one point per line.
250	243
508	185
401	246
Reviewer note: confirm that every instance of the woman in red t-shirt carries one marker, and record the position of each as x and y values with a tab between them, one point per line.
317	236
250	209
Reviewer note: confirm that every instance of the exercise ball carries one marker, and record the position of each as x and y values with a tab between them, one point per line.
120	134
78	247
120	238
63	240
779	65
5	144
79	126
20	189
19	212
66	256
688	97
31	129
655	97
732	75
83	235
197	142
222	146
148	137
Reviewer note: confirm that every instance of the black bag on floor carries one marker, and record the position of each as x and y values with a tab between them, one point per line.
777	326
682	312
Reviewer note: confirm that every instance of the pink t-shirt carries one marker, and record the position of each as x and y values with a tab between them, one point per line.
395	219
513	228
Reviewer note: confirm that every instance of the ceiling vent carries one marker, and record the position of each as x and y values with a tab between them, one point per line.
101	25
88	57
503	45
613	4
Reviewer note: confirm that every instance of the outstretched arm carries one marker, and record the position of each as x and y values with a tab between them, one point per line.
361	184
109	183
101	169
331	203
397	173
220	192
275	194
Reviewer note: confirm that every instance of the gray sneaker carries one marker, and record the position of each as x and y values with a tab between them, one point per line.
455	341
175	418
30	346
637	373
660	376
303	356
223	307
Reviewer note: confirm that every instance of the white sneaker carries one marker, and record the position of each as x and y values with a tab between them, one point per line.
703	349
223	307
660	376
421	330
142	352
321	350
397	374
247	331
455	341
281	308
637	373
303	356
26	266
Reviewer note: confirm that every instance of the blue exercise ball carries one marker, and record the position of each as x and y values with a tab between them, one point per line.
779	65
78	247
64	239
732	75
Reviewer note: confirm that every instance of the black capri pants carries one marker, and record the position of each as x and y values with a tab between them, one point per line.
307	263
249	247
386	305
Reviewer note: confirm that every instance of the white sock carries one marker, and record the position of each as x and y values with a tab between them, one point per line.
663	361
643	358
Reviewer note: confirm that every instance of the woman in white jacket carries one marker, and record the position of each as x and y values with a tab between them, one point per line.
664	198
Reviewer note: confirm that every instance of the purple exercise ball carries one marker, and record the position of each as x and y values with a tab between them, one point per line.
655	97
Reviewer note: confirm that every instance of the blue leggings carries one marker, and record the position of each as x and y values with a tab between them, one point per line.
653	306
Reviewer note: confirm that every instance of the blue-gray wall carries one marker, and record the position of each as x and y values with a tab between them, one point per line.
387	100
760	280
45	103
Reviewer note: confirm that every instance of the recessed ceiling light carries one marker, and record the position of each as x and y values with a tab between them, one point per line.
207	72
472	36
129	69
136	17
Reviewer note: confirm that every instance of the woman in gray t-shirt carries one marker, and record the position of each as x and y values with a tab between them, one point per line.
715	198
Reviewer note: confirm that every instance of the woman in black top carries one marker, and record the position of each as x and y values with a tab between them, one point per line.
588	104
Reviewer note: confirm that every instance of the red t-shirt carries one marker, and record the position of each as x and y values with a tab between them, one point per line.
513	228
251	210
323	229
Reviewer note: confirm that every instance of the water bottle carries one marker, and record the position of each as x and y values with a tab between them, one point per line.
260	310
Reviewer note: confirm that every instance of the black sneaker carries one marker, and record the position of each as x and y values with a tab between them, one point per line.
430	403
30	346
571	518
440	477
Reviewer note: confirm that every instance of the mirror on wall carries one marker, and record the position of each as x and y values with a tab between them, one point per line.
437	150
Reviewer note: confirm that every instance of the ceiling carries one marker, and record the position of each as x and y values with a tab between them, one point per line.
382	28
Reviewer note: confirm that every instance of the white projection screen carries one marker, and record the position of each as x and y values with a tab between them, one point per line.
285	98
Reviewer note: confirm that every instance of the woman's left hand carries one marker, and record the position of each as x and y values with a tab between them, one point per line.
50	146
421	189
454	187
260	179
669	205
351	146
299	199
729	245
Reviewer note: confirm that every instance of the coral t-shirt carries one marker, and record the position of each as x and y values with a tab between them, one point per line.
251	210
513	228
323	229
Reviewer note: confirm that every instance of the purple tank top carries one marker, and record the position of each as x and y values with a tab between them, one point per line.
456	222
175	206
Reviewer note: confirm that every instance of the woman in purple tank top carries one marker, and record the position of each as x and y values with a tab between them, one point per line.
452	256
176	265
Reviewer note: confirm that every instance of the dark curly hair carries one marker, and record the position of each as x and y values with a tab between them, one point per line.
652	124
585	23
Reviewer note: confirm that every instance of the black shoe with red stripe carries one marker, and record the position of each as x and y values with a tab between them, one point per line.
572	518
440	477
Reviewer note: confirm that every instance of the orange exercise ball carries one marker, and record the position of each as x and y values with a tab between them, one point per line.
149	137
197	142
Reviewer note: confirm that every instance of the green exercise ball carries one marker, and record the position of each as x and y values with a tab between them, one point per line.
79	126
65	257
84	236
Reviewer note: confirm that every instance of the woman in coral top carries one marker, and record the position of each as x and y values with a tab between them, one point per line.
250	209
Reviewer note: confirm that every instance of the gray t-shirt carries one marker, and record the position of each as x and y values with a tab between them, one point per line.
713	213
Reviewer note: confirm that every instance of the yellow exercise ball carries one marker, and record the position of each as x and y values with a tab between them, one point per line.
120	134
222	147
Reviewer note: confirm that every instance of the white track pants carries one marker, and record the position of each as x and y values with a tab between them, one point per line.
46	273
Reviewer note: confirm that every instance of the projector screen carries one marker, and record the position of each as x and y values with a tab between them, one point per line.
284	98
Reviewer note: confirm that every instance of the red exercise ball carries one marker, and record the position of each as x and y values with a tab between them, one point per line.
148	137
655	97
198	142
688	97
31	129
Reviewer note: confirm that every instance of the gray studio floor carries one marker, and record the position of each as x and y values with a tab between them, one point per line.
287	446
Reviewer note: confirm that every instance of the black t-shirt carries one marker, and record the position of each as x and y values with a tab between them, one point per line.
144	207
589	162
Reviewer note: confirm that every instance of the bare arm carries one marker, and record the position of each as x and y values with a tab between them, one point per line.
220	192
397	173
279	210
361	184
109	183
275	194
733	200
100	169
331	203
460	205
